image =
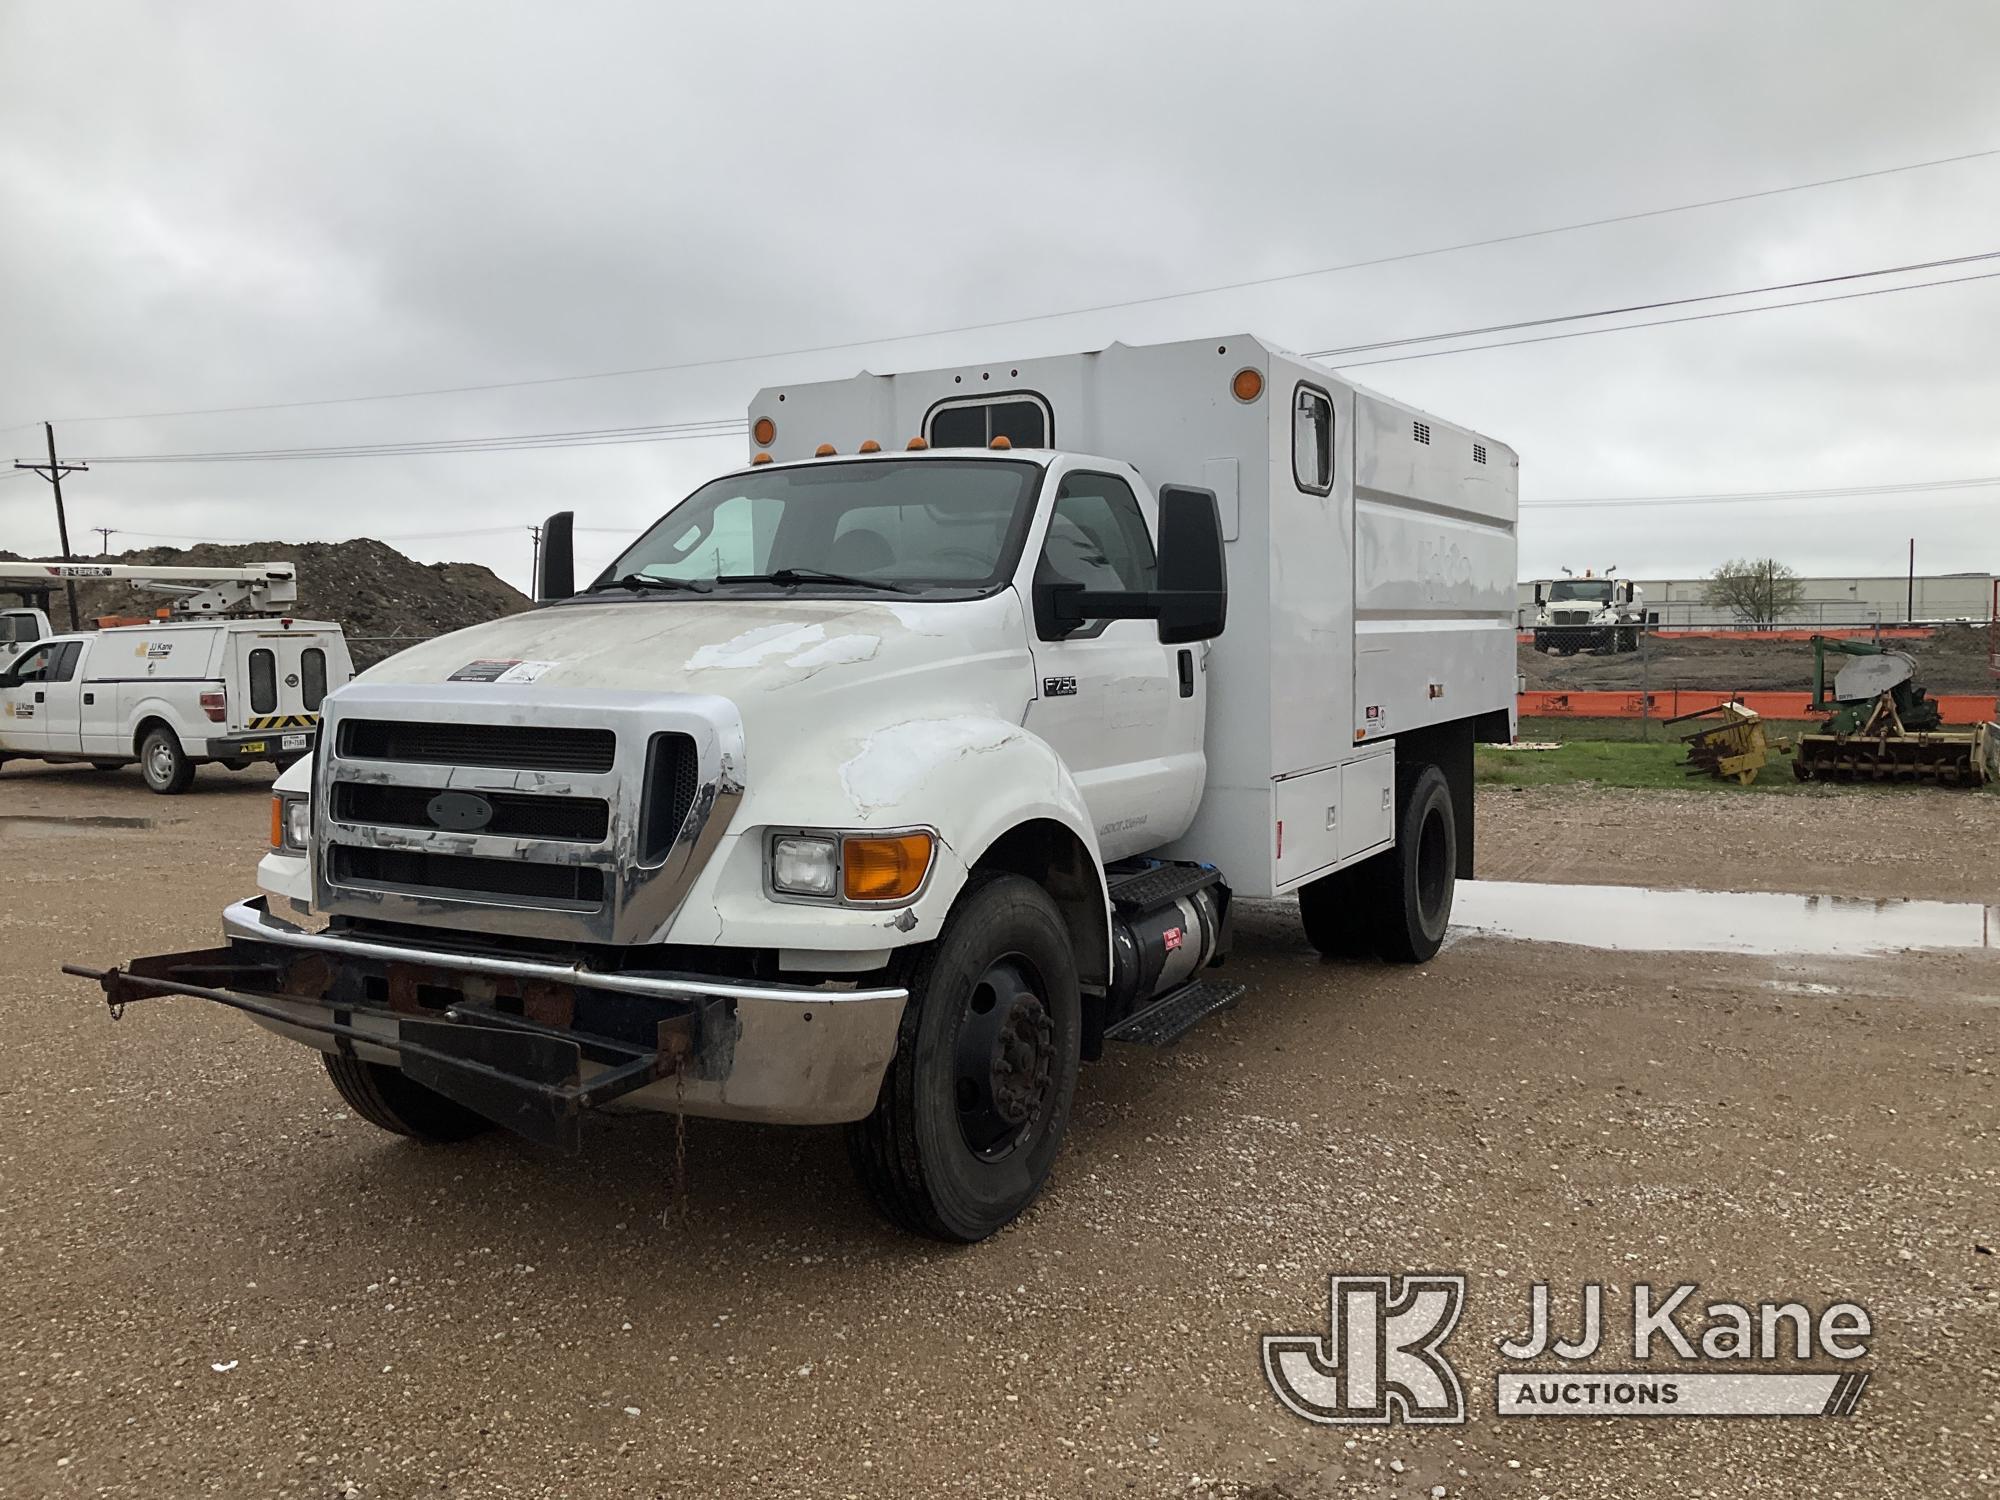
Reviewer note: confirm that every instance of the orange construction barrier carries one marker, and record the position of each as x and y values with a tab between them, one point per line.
1953	708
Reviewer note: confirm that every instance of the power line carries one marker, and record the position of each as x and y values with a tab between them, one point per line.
1070	312
586	437
1745	497
1639	307
720	427
1732	312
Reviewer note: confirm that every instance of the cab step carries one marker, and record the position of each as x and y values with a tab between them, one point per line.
1175	1013
1155	885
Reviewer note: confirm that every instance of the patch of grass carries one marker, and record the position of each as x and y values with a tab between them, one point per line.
1566	729
1621	762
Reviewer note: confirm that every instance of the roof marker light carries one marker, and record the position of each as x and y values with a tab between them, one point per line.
915	445
1248	385
1001	442
871	446
762	458
825	450
765	431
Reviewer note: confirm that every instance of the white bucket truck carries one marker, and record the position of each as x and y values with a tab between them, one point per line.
887	778
198	685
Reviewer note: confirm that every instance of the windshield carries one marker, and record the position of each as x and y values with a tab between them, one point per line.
1597	590
903	525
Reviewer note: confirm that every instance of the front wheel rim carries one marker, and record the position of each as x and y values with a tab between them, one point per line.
1003	1059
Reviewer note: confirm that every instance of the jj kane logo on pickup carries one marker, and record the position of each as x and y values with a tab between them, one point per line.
1383	1358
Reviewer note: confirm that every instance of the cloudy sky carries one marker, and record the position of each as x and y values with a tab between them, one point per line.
235	205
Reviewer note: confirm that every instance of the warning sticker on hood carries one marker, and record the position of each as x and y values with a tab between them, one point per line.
500	671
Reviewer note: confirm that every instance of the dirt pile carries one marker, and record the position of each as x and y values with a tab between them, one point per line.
1951	661
381	598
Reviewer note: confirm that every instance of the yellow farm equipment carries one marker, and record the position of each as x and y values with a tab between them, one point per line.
1734	748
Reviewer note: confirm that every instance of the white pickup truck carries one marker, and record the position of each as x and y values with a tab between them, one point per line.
172	696
888	778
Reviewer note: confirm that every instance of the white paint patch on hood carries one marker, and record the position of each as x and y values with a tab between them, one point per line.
753	647
893	764
842	648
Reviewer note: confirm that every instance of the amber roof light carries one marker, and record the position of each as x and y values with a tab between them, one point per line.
1001	442
762	458
871	446
916	445
825	450
1248	385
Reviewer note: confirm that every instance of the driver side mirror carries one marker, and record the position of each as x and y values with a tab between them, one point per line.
555	559
1541	596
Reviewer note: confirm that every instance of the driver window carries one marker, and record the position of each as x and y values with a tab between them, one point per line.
1097	537
33	666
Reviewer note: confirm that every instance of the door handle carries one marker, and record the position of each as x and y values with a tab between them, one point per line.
40	696
1187	673
89	698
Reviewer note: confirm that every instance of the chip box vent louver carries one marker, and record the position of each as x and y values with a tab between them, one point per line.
1421	431
1479	453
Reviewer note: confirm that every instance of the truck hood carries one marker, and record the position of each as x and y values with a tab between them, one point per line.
969	655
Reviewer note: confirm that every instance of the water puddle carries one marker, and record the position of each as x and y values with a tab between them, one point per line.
36	823
1641	919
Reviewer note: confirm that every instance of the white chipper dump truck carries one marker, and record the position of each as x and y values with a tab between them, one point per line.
1596	613
888	778
225	675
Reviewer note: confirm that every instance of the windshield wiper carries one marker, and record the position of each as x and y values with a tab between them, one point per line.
792	577
651	581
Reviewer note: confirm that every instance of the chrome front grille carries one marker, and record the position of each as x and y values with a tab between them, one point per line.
501	809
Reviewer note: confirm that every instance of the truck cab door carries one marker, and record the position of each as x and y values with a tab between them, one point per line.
1123	711
24	702
62	700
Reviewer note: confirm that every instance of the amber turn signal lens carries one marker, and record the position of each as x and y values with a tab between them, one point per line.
888	868
1248	385
825	450
277	822
765	431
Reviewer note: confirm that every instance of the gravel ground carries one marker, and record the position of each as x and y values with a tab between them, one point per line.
219	1282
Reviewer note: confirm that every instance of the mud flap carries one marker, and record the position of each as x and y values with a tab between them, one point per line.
508	1076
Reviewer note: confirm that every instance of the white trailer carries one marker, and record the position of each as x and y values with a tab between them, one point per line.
886	779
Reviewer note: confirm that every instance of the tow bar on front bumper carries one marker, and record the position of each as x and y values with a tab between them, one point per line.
512	1037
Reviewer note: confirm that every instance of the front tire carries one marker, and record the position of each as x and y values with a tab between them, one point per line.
167	769
975	1102
1418	876
383	1096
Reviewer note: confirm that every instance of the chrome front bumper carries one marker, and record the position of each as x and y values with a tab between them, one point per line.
532	1043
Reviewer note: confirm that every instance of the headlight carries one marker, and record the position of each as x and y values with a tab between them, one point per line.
863	869
291	822
803	866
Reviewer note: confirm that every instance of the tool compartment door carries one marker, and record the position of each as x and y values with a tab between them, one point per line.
1305	832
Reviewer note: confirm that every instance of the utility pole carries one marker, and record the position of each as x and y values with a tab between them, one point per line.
53	472
1910	604
535	565
103	539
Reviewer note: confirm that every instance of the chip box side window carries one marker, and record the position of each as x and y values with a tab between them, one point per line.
1312	440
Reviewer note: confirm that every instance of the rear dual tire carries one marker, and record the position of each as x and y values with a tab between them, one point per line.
1398	904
